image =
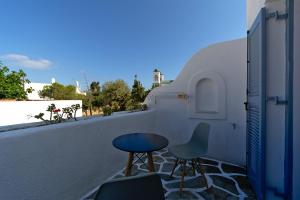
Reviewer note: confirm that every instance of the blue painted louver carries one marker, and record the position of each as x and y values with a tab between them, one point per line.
256	100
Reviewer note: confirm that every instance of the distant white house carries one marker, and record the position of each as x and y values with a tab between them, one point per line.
78	91
37	87
159	78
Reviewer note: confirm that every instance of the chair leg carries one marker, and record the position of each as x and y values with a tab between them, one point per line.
193	166
174	167
182	176
202	173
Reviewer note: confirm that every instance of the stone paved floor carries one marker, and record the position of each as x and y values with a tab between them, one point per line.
226	181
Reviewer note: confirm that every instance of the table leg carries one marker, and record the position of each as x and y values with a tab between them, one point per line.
129	164
150	162
183	165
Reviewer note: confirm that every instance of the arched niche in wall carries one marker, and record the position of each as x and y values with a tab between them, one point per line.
207	96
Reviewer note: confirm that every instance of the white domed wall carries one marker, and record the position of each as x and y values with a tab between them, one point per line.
210	88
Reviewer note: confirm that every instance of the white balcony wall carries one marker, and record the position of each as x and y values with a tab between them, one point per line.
224	66
20	112
65	161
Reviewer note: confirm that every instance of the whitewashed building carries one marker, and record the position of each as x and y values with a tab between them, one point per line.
36	88
159	78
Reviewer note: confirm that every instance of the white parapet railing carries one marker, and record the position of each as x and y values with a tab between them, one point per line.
21	112
66	160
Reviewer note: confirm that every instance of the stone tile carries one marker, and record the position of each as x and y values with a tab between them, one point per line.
225	183
245	185
162	150
184	195
172	160
214	193
233	169
209	169
167	154
167	177
167	167
198	182
145	166
173	185
133	168
188	171
207	161
158	159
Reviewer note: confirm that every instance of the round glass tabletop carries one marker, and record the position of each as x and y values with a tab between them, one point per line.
140	142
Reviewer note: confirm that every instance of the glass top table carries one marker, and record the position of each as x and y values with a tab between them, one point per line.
140	143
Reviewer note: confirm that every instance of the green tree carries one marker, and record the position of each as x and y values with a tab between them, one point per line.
97	101
137	91
138	95
154	85
12	84
58	91
95	88
85	102
96	96
93	99
115	94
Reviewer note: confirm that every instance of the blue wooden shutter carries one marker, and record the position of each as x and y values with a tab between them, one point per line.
256	98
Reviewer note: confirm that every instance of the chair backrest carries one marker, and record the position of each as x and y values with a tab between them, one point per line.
146	187
200	137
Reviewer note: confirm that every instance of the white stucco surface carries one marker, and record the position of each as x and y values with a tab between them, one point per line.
173	114
254	6
65	161
296	168
37	87
19	112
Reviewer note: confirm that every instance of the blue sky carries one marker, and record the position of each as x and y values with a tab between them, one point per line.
112	39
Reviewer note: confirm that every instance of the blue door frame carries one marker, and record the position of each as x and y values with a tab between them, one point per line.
256	104
288	159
